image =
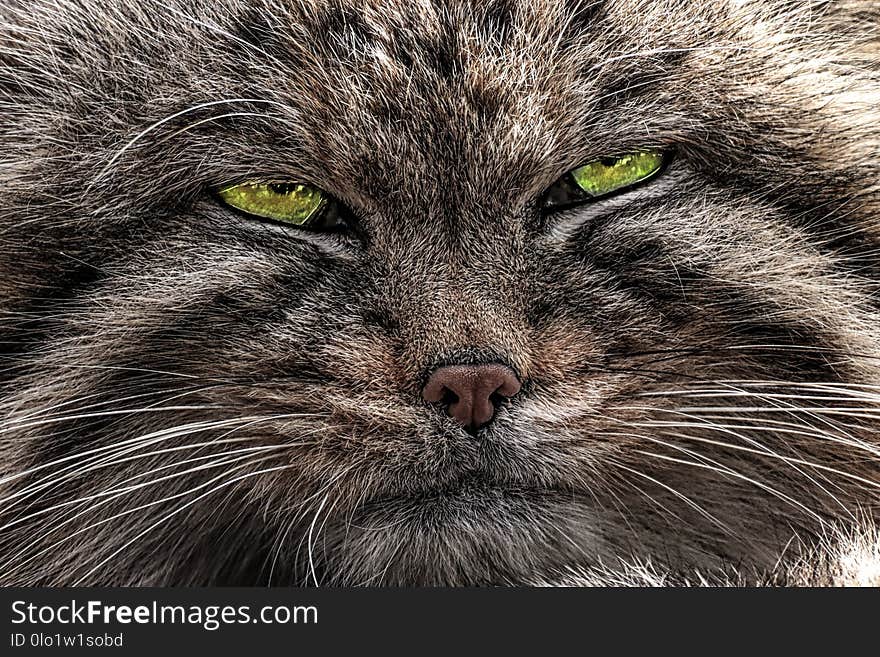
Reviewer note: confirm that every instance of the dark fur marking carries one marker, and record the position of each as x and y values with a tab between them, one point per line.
659	68
498	21
254	27
342	30
585	17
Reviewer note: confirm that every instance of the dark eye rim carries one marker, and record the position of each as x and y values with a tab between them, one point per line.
583	198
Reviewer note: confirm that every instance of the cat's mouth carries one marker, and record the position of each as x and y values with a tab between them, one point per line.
474	530
471	494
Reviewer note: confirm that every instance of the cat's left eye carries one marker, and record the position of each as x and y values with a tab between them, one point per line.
603	177
298	204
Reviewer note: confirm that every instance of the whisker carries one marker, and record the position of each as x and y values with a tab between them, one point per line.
732	473
183	507
110	451
112	495
122	514
150	438
696	507
119	492
309	539
158	124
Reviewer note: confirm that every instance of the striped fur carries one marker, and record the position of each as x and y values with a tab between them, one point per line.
190	397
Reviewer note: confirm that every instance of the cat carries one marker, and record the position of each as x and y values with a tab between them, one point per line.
439	292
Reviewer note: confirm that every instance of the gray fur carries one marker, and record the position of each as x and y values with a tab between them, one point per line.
190	397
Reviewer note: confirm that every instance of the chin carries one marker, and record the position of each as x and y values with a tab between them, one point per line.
475	534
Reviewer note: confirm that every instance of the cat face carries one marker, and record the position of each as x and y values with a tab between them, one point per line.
679	372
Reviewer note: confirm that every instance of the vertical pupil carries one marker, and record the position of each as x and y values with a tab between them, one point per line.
282	188
608	161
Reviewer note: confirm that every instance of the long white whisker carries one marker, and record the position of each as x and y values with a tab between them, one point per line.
165	518
309	539
153	126
696	507
122	514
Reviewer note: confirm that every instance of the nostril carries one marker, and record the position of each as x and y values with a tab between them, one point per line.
448	397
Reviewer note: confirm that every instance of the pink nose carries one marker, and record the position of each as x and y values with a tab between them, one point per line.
472	391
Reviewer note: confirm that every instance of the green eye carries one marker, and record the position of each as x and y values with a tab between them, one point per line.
611	174
293	203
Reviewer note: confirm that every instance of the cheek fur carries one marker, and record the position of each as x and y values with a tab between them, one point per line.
187	394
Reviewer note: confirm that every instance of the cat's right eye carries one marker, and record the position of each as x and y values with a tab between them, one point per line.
604	177
297	204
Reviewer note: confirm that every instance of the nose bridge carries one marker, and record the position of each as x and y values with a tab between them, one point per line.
469	290
461	314
454	283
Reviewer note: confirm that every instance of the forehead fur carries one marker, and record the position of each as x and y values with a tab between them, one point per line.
488	102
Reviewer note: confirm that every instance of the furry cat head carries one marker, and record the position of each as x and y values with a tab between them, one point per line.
195	396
